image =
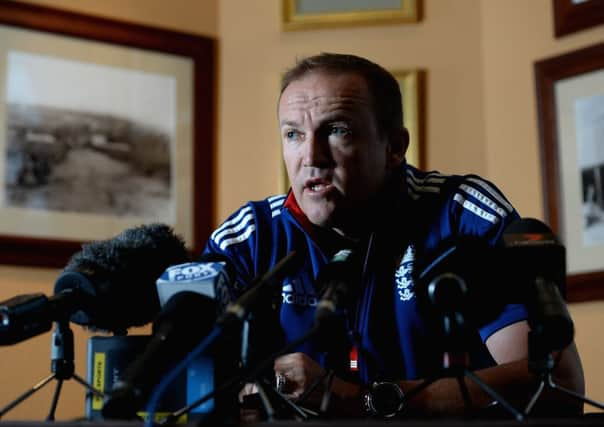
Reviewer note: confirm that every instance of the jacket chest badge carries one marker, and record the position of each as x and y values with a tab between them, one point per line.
403	278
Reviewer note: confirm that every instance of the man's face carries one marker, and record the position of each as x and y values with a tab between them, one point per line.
335	157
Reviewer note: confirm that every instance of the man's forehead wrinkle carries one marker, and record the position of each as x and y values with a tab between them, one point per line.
346	102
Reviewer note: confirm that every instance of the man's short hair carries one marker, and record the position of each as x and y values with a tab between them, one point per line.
383	87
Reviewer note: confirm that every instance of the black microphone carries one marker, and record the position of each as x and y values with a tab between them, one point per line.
108	285
238	310
213	280
538	264
340	279
174	335
527	266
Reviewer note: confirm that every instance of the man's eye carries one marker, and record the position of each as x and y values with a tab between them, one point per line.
292	135
339	131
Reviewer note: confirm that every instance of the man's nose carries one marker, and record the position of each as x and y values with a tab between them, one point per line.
316	152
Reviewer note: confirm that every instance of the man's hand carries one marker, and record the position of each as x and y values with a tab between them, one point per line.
300	372
511	378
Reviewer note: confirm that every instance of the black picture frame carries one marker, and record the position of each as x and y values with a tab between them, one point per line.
570	17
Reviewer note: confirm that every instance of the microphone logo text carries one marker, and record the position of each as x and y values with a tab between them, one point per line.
193	271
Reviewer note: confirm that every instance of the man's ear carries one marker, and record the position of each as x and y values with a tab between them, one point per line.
397	146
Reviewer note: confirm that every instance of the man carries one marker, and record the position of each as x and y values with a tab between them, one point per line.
344	147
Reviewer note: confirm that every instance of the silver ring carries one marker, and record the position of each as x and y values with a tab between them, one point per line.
280	381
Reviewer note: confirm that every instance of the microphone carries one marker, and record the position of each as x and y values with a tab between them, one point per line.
447	292
186	291
213	275
527	266
238	310
540	261
172	338
109	285
339	279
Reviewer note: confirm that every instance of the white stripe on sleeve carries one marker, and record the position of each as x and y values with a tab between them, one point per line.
492	192
228	242
483	199
475	209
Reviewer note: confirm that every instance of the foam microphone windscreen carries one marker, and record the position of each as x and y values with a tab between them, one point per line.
121	274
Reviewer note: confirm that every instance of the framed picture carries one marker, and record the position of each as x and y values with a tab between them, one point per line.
576	15
104	125
413	91
312	14
570	103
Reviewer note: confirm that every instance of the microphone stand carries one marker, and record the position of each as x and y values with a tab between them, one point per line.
542	363
235	312
249	375
276	405
455	365
62	368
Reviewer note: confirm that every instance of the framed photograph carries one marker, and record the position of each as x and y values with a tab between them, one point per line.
576	15
312	14
104	125
570	104
413	91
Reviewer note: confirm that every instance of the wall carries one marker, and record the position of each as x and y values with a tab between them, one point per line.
189	16
481	118
515	34
251	66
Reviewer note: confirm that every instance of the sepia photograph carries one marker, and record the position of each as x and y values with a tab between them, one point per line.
97	140
104	125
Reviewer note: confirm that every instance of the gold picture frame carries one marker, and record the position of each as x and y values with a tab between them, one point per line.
412	84
413	87
311	14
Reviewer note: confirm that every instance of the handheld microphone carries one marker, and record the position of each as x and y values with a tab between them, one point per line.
339	278
172	338
108	285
